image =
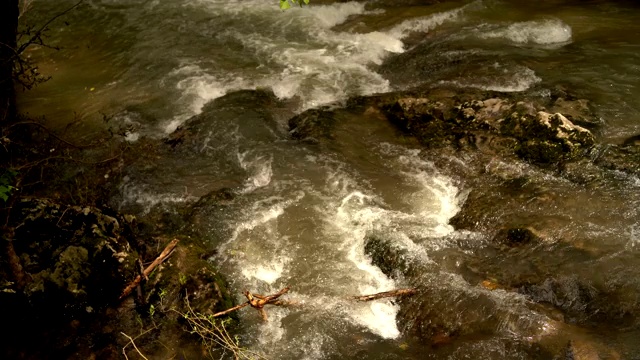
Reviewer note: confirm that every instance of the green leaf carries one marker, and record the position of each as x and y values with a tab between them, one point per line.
284	4
306	2
4	196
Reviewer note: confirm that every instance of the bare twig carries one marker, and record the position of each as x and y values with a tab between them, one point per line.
124	352
25	5
237	307
36	163
213	332
36	38
50	132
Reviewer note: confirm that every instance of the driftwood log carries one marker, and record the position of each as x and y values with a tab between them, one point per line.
168	250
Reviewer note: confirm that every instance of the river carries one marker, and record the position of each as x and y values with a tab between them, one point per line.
303	213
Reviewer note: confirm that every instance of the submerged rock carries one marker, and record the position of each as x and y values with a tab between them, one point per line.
625	159
447	306
516	236
312	125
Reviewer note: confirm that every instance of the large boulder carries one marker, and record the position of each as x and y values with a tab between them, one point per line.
546	138
496	125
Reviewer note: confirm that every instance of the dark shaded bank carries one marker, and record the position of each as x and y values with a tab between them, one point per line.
8	34
77	261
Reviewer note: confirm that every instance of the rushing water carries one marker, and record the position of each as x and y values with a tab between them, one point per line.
304	214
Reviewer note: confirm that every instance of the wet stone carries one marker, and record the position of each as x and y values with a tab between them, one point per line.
516	236
312	125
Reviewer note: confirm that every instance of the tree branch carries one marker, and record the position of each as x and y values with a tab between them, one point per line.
37	36
162	257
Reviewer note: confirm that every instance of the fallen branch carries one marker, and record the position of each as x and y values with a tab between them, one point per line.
162	257
385	294
258	302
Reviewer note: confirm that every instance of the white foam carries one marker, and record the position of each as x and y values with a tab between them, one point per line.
378	317
355	217
198	87
133	194
504	80
301	56
268	273
329	16
132	136
634	237
273	331
437	198
259	218
543	32
259	167
426	23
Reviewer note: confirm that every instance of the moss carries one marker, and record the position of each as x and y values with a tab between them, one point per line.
72	270
541	151
546	138
76	255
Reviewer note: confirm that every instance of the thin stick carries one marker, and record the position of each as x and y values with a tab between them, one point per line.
162	257
385	294
134	346
258	302
50	132
237	307
37	35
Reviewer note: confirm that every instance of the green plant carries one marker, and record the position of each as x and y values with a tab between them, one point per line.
7	180
286	4
182	279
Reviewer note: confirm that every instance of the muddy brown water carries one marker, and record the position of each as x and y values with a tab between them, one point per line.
303	212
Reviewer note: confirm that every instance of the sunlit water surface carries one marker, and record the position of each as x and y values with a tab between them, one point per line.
305	214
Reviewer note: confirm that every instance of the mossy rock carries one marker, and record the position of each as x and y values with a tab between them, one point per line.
312	125
77	258
546	138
